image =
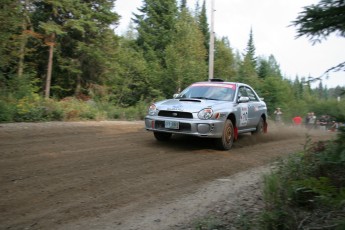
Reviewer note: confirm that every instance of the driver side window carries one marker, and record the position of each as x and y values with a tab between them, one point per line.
251	95
242	92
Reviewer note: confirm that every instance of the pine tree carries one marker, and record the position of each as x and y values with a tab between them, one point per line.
250	50
204	27
155	25
224	63
319	21
80	33
183	5
268	68
247	72
185	55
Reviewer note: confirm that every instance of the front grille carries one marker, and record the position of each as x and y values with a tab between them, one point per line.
177	114
183	127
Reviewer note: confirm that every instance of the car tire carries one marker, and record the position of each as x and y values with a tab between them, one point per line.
259	127
160	136
227	139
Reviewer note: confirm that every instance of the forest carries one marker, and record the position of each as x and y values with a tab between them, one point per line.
62	60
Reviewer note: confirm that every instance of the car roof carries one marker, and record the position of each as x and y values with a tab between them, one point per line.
221	82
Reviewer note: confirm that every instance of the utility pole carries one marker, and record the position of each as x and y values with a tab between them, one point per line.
211	50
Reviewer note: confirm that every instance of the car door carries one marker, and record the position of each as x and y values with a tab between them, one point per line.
243	110
253	108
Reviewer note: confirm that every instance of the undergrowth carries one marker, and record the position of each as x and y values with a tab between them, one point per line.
304	191
34	108
307	190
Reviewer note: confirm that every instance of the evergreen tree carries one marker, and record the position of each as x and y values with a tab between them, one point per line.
224	63
319	21
183	5
185	55
155	25
268	68
297	88
247	71
250	50
15	22
204	27
83	42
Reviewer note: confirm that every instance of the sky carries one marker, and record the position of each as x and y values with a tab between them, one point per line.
269	20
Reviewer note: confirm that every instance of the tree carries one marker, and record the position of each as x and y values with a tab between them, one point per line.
81	35
247	71
16	74
250	50
183	5
203	25
224	63
319	21
155	26
185	56
268	68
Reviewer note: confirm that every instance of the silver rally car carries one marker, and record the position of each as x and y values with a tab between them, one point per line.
212	109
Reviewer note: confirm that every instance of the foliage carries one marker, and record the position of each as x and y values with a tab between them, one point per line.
209	223
164	50
34	108
308	183
319	21
224	63
185	55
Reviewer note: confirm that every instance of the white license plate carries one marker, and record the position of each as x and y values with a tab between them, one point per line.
171	125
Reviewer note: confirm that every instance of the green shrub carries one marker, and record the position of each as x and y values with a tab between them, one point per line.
308	183
7	111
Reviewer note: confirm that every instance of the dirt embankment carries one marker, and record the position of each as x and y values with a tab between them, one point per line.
115	175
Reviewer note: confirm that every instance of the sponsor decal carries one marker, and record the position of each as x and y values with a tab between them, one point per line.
231	86
244	115
176	108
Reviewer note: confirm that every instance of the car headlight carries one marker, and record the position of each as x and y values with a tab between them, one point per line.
205	114
152	110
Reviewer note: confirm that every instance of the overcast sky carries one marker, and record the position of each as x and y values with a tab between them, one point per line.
270	20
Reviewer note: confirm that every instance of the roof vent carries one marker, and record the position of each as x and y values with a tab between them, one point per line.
216	80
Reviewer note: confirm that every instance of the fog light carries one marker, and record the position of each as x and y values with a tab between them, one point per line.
204	128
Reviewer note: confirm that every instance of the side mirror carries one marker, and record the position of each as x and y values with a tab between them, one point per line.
262	99
175	95
243	99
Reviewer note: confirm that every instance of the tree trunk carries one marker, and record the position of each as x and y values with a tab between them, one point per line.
50	64
25	25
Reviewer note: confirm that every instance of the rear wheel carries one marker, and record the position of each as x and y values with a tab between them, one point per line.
259	127
227	139
160	136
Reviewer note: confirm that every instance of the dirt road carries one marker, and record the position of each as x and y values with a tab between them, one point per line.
115	175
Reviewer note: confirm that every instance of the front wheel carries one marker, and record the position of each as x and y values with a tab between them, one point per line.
160	136
227	139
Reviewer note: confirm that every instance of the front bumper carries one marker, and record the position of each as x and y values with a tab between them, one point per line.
194	127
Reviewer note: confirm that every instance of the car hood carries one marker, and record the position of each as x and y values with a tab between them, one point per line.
188	105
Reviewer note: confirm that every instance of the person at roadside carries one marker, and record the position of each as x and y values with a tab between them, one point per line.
334	126
307	120
278	115
311	121
323	122
297	120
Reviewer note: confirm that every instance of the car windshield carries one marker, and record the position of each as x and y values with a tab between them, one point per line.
209	91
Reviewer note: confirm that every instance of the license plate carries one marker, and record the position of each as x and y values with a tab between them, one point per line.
171	125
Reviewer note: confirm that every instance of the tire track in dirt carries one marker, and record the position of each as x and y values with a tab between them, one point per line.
57	175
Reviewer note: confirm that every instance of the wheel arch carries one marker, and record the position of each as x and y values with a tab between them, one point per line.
232	118
264	117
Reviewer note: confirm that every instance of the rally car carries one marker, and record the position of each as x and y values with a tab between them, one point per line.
210	109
